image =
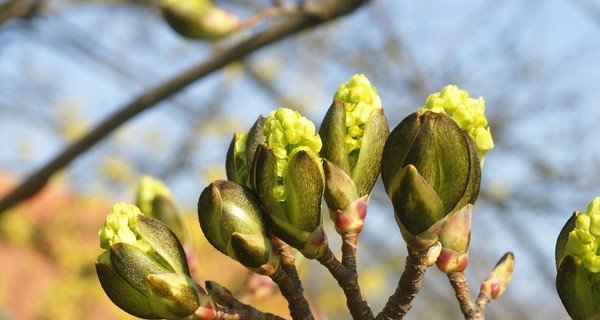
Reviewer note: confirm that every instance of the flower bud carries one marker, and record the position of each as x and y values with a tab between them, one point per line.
231	219
241	152
455	237
430	169
467	112
288	176
497	281
354	131
198	19
578	263
154	199
144	270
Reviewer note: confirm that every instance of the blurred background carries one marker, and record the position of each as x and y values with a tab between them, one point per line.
65	65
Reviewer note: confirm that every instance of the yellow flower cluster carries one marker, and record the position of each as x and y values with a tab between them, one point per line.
467	112
360	99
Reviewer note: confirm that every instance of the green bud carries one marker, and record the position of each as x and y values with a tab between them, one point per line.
155	199
231	219
140	249
241	152
497	281
287	174
430	170
578	263
148	189
577	291
340	190
236	163
354	131
455	237
198	19
467	112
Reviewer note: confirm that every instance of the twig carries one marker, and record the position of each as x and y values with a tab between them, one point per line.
350	241
227	307
409	285
482	301
288	262
348	281
468	307
292	291
296	22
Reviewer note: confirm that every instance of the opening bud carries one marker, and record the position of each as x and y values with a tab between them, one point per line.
354	131
139	252
578	263
430	169
287	174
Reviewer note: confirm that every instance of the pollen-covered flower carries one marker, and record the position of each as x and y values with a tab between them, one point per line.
467	112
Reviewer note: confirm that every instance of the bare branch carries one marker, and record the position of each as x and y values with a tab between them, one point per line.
303	19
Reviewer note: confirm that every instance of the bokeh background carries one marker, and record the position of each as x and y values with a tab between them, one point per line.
68	64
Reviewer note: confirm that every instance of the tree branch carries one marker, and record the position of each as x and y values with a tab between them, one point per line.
305	18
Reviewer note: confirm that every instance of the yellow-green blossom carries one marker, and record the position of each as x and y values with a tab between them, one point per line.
286	132
119	226
360	99
584	240
467	112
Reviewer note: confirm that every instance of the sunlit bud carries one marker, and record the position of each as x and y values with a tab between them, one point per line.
231	219
155	200
430	169
467	112
455	238
144	269
287	174
198	19
578	263
497	281
354	131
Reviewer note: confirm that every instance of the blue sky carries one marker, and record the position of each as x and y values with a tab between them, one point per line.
535	63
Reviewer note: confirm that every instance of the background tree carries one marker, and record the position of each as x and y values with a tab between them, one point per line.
67	65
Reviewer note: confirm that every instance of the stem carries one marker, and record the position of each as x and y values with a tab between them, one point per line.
468	307
348	281
293	293
409	285
288	262
227	307
349	251
482	301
